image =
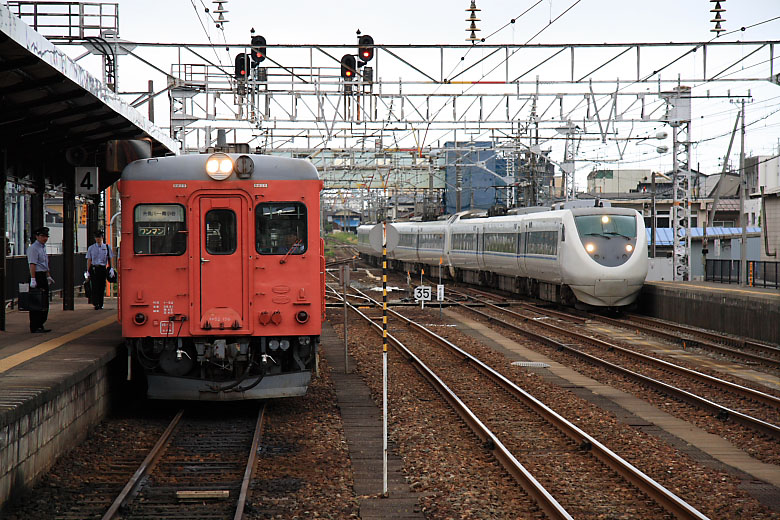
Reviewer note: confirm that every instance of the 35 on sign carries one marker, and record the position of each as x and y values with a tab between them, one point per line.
423	292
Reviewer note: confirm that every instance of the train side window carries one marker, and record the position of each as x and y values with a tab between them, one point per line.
280	227
221	234
159	229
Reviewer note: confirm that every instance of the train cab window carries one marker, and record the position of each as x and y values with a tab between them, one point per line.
280	227
609	225
159	229
221	235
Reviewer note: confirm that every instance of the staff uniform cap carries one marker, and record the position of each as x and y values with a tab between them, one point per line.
99	233
42	231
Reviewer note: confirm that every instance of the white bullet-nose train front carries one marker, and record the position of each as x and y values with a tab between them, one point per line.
605	257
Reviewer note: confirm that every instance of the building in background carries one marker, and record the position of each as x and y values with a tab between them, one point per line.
479	176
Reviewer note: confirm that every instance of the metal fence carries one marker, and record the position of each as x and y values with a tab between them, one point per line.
17	271
759	273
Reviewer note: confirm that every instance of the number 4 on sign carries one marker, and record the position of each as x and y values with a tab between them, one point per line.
87	180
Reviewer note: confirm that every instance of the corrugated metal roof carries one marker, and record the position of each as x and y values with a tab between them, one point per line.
665	236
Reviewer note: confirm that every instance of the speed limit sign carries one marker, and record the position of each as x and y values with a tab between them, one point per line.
422	293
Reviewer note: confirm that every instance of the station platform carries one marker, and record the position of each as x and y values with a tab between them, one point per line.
752	312
53	386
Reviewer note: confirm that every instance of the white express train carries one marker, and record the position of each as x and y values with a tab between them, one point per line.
575	253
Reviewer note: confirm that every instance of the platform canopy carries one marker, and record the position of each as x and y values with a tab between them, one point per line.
54	115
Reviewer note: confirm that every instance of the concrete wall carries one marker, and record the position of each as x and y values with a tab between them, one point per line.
32	439
753	315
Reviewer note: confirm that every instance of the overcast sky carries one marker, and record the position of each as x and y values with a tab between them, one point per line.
443	22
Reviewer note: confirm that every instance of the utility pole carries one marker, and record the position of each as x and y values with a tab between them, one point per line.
679	118
652	218
534	142
742	218
458	179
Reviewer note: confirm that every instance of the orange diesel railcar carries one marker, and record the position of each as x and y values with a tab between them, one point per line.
222	275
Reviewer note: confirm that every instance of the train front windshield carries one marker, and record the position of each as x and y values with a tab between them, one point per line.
606	225
159	229
281	228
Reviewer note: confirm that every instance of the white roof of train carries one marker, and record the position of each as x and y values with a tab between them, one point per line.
193	167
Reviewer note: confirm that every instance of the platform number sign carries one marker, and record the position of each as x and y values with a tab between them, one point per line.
87	180
422	293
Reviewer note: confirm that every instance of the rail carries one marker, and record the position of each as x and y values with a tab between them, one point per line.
152	458
143	469
768	353
535	490
760	273
683	395
663	496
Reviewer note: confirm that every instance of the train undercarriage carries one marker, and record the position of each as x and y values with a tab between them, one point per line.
227	368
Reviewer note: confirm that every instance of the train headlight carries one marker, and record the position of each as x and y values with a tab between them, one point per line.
139	318
302	316
244	167
604	219
590	247
273	344
219	166
629	248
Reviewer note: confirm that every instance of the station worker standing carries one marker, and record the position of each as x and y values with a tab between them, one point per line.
40	277
98	266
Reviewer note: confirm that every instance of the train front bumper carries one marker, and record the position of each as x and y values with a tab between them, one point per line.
607	293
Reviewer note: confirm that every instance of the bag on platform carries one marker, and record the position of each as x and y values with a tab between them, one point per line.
31	299
88	289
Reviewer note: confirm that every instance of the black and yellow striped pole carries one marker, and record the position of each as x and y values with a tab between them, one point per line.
384	356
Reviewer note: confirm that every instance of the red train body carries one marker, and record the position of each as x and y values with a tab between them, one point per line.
222	275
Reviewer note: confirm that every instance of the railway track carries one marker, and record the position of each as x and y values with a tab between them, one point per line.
201	467
742	349
529	427
570	341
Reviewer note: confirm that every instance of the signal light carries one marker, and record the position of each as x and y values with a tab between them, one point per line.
242	66
258	49
366	48
348	67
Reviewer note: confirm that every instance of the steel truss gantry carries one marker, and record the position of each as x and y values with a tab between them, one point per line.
417	97
297	99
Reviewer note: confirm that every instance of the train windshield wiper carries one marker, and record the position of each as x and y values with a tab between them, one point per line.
596	235
293	247
616	234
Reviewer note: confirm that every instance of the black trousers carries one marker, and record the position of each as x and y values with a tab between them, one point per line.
38	318
98	279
